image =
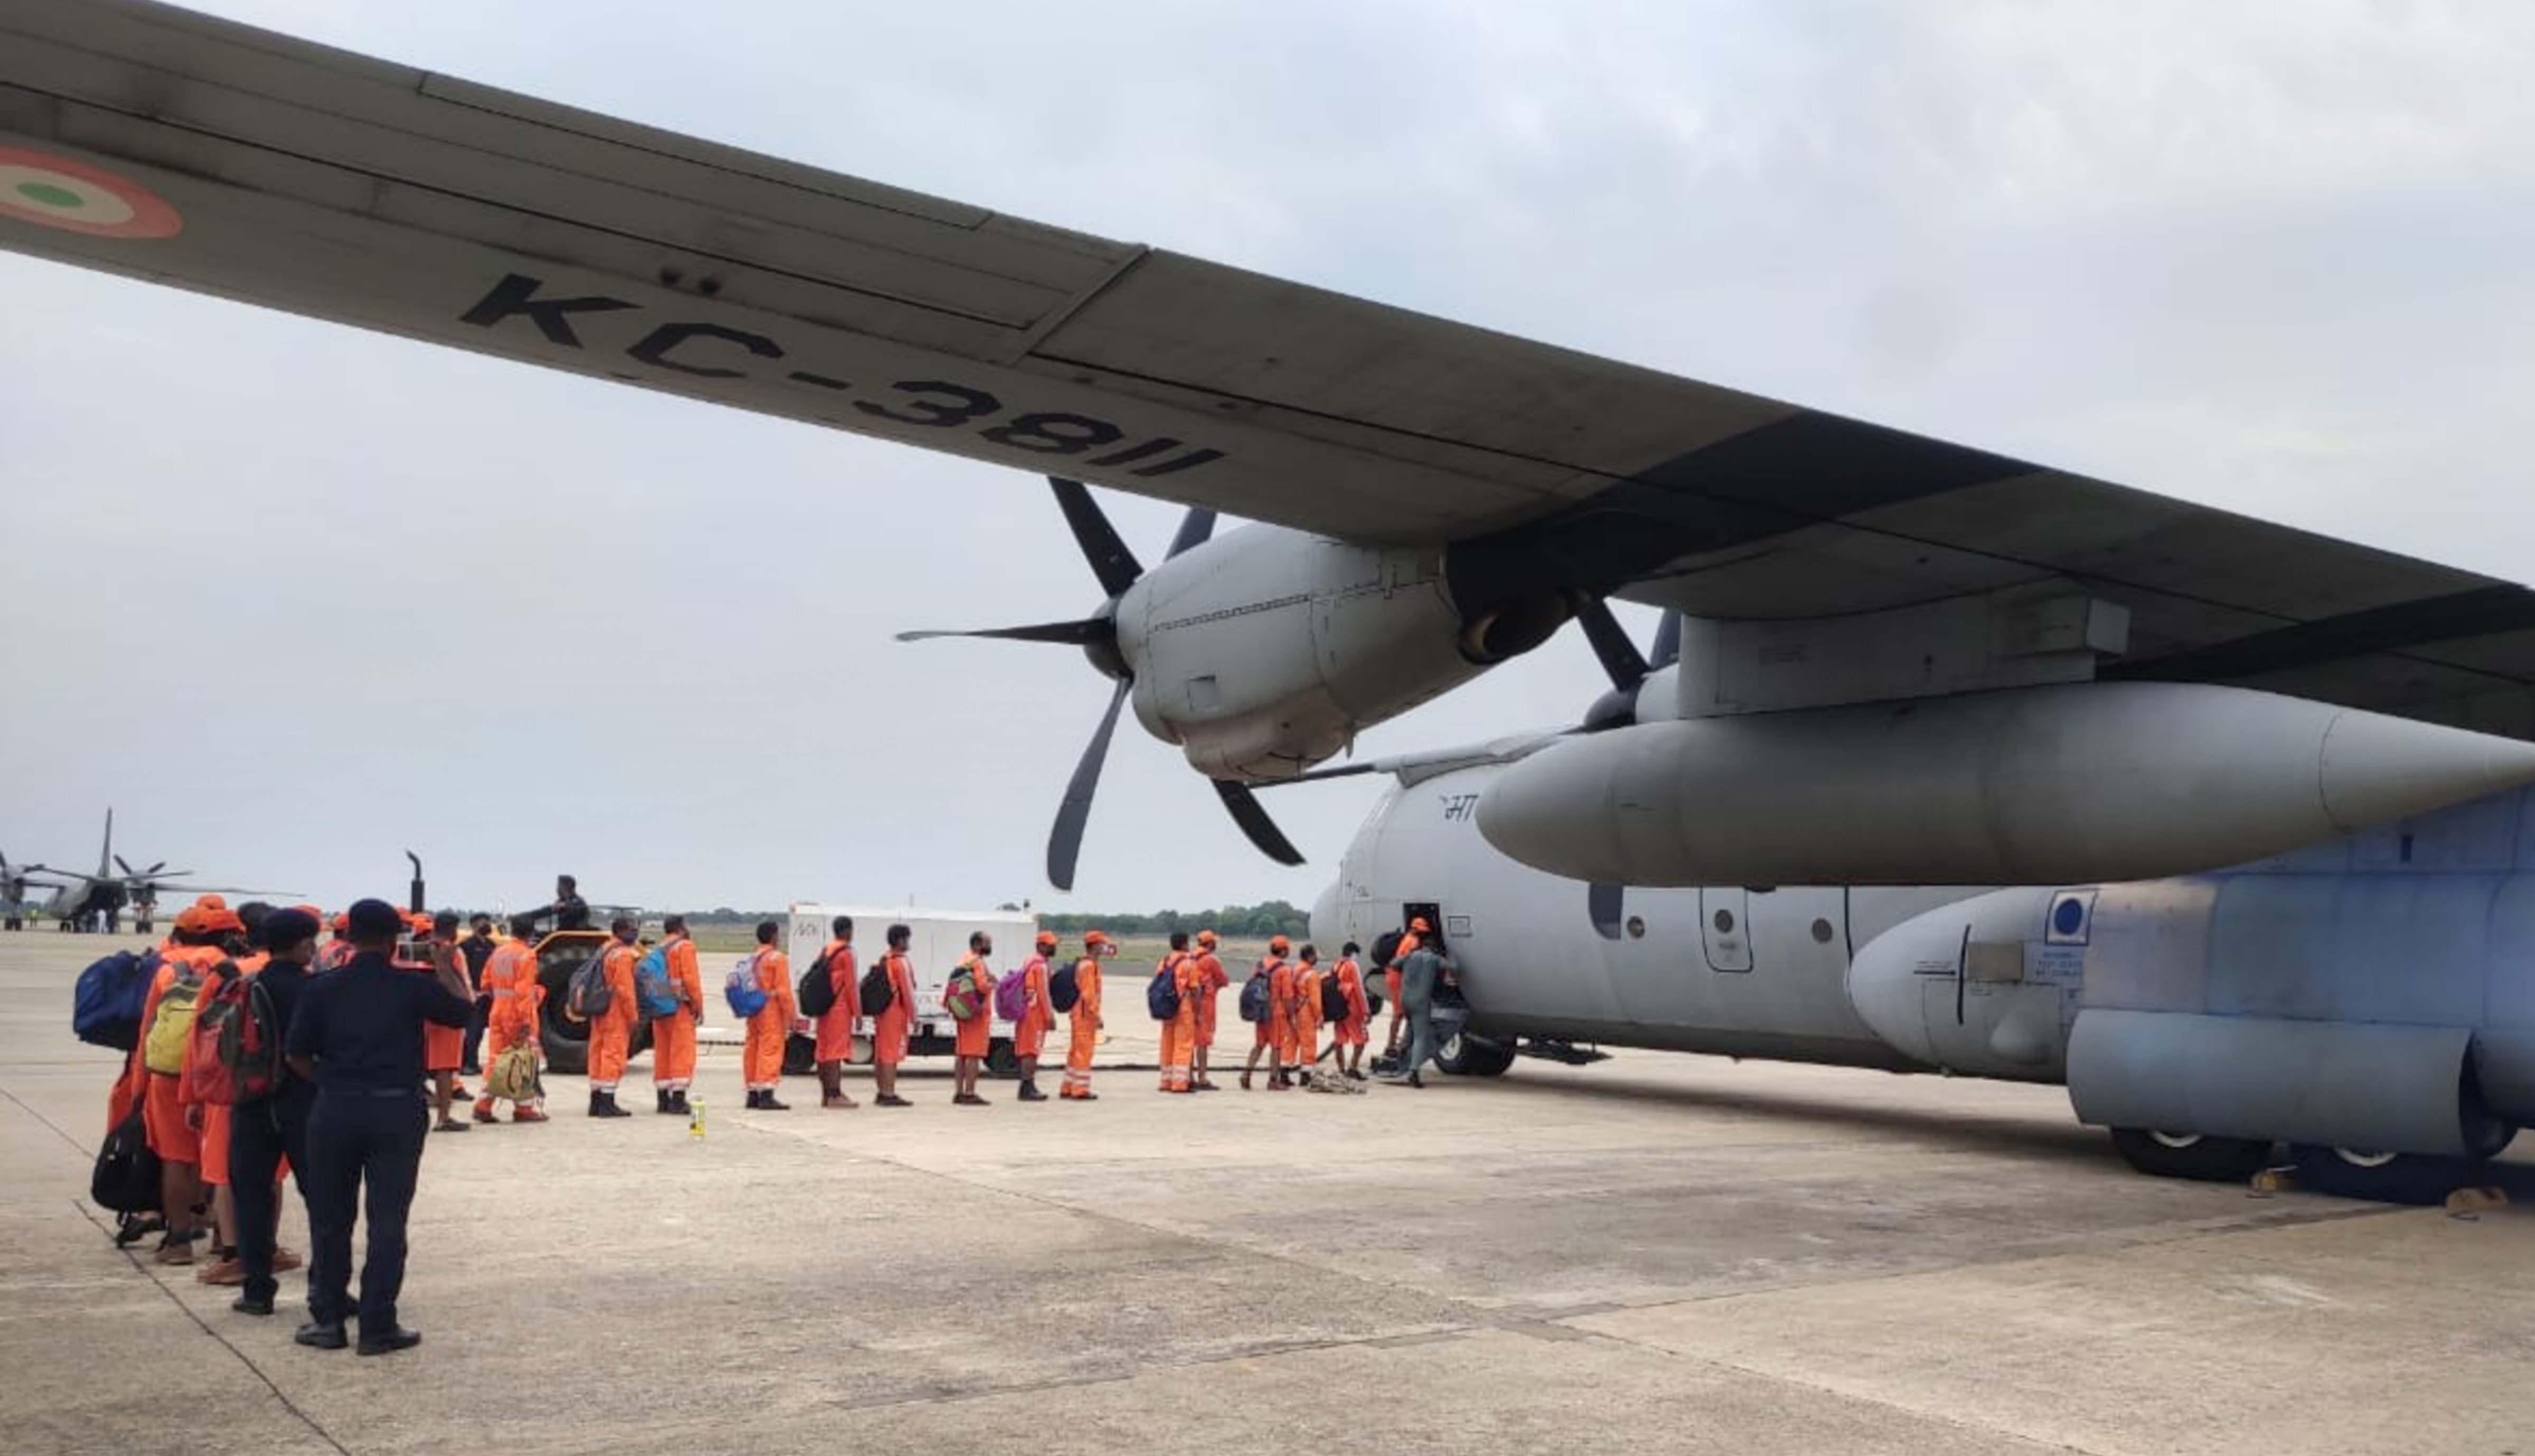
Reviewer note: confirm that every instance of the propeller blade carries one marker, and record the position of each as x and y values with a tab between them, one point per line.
1253	818
124	865
1194	527
1065	838
1071	633
1111	561
162	865
1611	643
1667	640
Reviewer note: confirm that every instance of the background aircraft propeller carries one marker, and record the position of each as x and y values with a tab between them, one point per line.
1117	570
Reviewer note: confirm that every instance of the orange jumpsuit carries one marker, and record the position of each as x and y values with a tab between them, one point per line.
892	1027
762	1064
1210	979
836	1023
1179	1033
162	1112
445	1047
1029	1034
1351	1031
511	980
673	1037
332	955
611	1034
213	1139
1270	1030
971	1038
1307	1013
1085	1021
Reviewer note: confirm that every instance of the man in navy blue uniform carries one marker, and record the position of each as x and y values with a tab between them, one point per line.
263	1132
357	1035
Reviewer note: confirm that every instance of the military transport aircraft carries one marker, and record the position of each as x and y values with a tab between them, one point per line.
83	902
1901	662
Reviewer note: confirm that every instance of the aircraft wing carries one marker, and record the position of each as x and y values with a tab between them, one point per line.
167	146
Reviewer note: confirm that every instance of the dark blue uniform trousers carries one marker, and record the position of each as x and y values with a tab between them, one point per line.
261	1134
357	1138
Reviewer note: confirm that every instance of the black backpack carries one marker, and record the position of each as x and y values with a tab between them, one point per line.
816	993
1062	990
1253	995
126	1178
1333	1002
1386	949
876	993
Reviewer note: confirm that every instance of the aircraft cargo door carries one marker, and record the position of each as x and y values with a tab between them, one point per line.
1724	917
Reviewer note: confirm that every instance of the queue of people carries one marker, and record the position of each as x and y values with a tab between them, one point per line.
364	1056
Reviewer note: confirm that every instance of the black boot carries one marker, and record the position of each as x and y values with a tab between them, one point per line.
767	1104
597	1100
607	1107
1030	1093
756	1100
678	1104
660	1101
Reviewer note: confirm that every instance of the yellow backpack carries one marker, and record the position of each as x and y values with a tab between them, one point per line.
171	1026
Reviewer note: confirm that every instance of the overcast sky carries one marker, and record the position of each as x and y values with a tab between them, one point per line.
2278	258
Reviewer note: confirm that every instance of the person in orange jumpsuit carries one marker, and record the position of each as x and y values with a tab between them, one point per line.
835	1032
893	1025
1211	981
1273	1032
1085	1018
511	980
1308	977
762	1061
1179	1031
1417	930
976	1034
611	1032
1038	1018
1352	1032
673	1037
210	1120
445	1047
174	1133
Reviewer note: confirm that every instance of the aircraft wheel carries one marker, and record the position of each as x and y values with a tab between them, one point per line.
1466	1056
800	1056
2198	1156
2378	1177
999	1058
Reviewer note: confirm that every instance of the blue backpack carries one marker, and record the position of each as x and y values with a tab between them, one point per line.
741	989
653	993
1162	993
106	1005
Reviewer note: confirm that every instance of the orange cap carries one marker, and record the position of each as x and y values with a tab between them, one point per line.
342	920
1047	939
189	921
211	902
220	920
1420	926
1278	945
1206	938
1097	937
312	911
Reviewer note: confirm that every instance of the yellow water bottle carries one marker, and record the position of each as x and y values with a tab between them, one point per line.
695	1116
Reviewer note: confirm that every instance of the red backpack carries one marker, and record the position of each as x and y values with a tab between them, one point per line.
234	1056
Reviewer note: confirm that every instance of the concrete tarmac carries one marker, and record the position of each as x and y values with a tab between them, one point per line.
1657	1253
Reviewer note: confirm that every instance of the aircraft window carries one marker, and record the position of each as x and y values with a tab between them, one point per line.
1636	927
1726	922
1821	932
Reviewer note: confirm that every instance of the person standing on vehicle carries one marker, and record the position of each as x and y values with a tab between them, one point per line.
673	1036
1085	1018
477	947
761	1062
975	1034
1352	1031
512	989
1211	979
442	1050
836	1025
570	912
272	1130
611	1031
1038	1018
1420	971
357	1035
895	1024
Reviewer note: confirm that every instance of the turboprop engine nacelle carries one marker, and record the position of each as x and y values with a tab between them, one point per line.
2030	786
1267	650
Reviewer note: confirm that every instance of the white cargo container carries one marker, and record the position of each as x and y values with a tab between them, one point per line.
937	941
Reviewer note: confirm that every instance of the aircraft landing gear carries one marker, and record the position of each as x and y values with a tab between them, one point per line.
2197	1156
1466	1056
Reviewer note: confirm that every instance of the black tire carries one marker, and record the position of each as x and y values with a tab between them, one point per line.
2199	1157
1000	1060
800	1056
567	1046
1467	1056
2380	1178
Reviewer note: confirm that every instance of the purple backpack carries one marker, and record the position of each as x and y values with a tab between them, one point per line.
1012	995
